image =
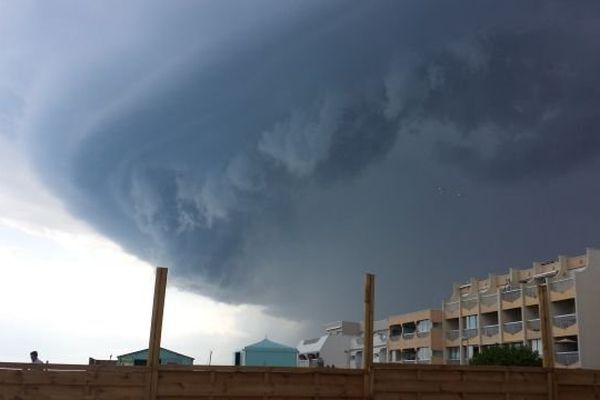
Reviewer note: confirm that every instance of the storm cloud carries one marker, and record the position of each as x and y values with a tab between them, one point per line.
274	155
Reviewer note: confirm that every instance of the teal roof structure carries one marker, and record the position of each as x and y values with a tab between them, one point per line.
268	345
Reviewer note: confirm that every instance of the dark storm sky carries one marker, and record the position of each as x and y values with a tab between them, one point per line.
270	152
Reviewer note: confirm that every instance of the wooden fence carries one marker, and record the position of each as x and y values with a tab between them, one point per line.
387	381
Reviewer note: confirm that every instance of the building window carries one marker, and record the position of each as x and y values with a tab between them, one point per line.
536	345
453	353
470	351
470	322
424	353
424	326
382	355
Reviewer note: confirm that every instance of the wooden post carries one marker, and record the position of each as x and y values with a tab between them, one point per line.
545	325
368	334
160	287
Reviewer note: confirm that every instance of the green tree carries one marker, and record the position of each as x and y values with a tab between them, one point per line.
507	355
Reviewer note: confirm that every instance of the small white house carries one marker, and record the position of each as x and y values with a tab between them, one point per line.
331	349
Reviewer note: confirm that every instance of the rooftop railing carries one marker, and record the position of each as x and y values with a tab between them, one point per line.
451	306
469	303
562	285
531	291
511	295
489	300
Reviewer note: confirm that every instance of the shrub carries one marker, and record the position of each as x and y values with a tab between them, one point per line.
507	355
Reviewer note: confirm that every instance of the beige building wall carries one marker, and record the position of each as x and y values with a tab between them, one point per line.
408	341
587	286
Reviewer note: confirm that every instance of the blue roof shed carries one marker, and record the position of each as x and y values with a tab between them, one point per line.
270	354
165	357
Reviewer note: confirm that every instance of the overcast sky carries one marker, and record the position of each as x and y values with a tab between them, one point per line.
271	152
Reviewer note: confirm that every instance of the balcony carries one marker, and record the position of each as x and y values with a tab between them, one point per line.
490	330
469	333
531	291
469	304
513	327
453	361
531	295
564	321
452	334
562	285
408	335
562	289
489	302
534	324
451	309
566	358
511	295
423	334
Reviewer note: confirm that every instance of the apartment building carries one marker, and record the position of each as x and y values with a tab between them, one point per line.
380	351
416	337
342	345
505	309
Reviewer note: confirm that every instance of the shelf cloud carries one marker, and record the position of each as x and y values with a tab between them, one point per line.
270	152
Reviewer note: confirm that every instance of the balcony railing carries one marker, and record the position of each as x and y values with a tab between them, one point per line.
409	361
511	295
408	335
489	300
452	334
562	285
490	330
469	303
531	291
453	361
564	321
533	324
469	333
513	327
422	334
567	357
451	307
